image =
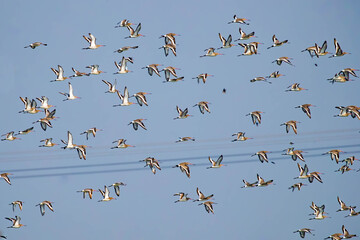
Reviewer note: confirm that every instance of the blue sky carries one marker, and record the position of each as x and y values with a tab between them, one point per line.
145	208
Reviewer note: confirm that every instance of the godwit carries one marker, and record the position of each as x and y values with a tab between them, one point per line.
50	115
210	52
202	77
202	197
296	185
315	175
169	38
59	74
5	176
346	234
126	48
124	99
182	114
184	167
303	172
92	41
259	79
169	70
349	160
36	44
19	203
94	69
88	191
185	139
70	95
105	195
354	111
344	168
168	47
262	156
255	117
152	163
122	68
240	136
303	231
343	206
321	51
138	122
340	78
291	124
174	79
306	109
81	150
153	68
78	74
26	131
348	71
15	221
352	212
9	136
295	154
48	143
280	60
112	87
45	102
42	206
244	36
90	131
239	20
117	187
33	108
69	144
295	88
344	111
318	212
140	98
123	23
208	206
262	183
275	74
226	43
276	42
183	197
247	184
44	123
203	106
217	163
335	236
134	34
338	51
27	104
334	154
248	49
121	143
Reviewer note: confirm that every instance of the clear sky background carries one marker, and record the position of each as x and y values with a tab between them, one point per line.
146	208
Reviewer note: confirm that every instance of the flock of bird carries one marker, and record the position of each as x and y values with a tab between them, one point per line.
31	107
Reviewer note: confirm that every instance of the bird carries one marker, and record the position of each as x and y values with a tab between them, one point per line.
185	139
217	163
117	187
153	68
244	36
88	191
138	122
347	71
303	172
35	45
141	98
169	70
262	183
318	212
297	185
59	74
169	38
70	95
203	77
121	143
303	231
334	154
291	124
295	154
112	86
122	68
94	69
14	203
275	74
239	20
90	131
226	43
152	163
182	114
92	41
183	197
9	136
78	73
352	212
306	109
346	234
208	206
81	150
340	78
26	131
168	47
315	175
44	123
248	49
210	52
15	221
240	136
295	88
255	117
126	48
258	79
184	167
335	236
134	33
123	23
174	79
69	144
280	60
202	197
248	184
276	42
321	51
45	102
344	168
343	206
349	160
42	206
105	195
27	104
338	51
124	98
262	156
203	106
